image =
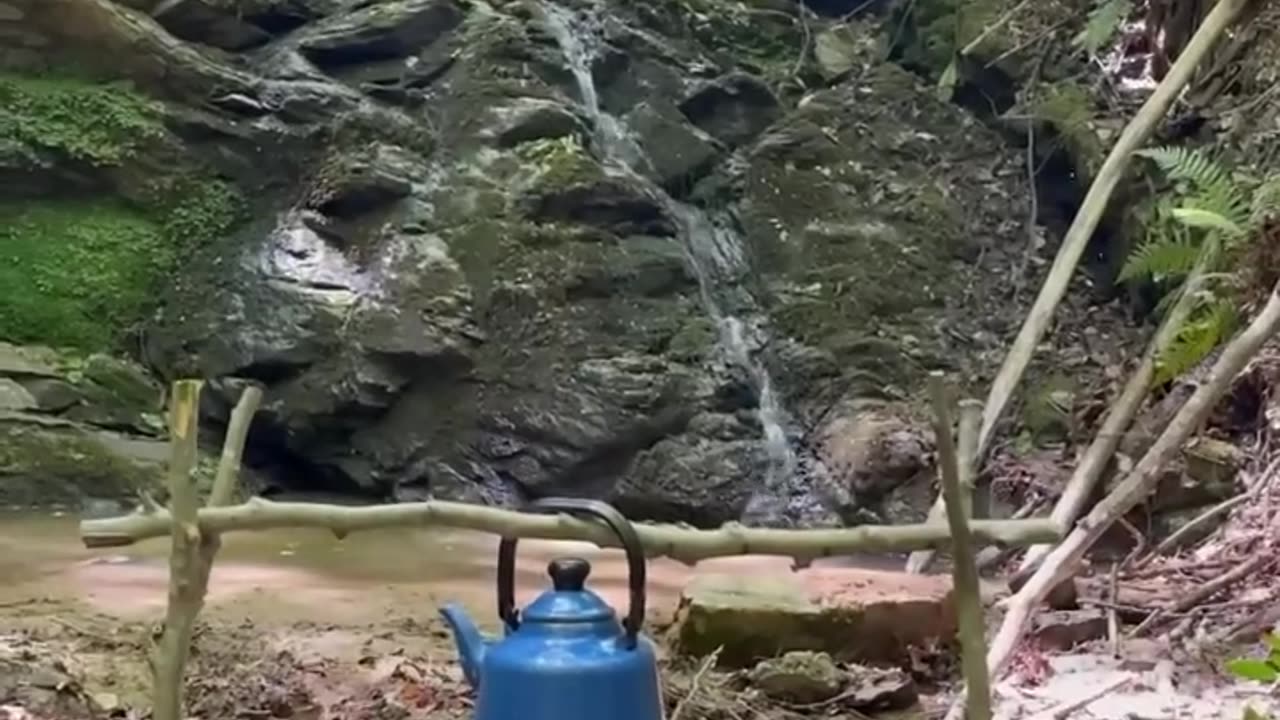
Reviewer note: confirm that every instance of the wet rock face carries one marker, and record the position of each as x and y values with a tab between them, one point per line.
456	293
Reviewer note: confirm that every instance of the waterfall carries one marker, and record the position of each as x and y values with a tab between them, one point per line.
715	253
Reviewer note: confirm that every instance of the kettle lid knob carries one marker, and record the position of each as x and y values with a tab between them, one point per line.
569	574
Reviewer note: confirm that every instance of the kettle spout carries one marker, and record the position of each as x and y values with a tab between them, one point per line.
471	644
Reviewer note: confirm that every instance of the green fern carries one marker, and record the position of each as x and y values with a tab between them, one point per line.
1181	163
1160	257
1211	324
1203	218
1105	19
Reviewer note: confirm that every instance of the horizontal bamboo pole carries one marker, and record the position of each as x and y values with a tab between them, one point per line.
679	542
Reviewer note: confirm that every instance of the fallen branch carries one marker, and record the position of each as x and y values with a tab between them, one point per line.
1181	534
1063	561
1094	205
970	421
682	543
973	646
1209	589
1078	490
169	654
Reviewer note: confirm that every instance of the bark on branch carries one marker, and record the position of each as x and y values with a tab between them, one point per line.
970	421
194	550
679	542
973	644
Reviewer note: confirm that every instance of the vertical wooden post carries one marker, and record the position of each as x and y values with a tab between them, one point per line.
193	554
973	646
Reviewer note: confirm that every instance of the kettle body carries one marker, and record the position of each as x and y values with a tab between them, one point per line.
566	656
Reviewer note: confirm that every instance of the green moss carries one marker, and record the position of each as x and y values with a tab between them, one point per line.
98	123
75	272
560	162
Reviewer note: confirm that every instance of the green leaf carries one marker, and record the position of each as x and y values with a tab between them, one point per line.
1208	219
947	83
1259	670
1105	19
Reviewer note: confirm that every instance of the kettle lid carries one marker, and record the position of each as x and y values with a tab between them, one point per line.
568	600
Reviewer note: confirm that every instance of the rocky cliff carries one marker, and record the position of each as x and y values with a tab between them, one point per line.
692	256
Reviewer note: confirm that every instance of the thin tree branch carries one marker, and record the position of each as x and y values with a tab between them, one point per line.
970	421
679	542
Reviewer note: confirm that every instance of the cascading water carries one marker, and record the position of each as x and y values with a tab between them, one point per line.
716	256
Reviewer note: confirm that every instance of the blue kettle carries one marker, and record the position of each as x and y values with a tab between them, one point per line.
565	656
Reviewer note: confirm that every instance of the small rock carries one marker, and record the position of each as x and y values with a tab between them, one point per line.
203	22
878	689
525	119
733	109
380	31
9	13
836	51
800	676
1064	629
872	450
679	152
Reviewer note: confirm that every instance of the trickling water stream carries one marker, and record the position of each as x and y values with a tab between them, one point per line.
715	253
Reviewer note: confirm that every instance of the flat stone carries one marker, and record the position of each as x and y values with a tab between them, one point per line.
9	13
19	360
853	614
380	31
1064	629
15	397
524	119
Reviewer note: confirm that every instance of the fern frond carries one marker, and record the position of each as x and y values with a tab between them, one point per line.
1224	198
1180	163
1161	256
1212	323
1105	19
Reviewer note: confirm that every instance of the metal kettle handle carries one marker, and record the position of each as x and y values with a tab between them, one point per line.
600	511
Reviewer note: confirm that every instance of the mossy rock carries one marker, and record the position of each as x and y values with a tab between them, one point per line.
43	464
96	123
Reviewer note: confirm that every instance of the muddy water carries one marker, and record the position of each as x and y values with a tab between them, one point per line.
308	574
